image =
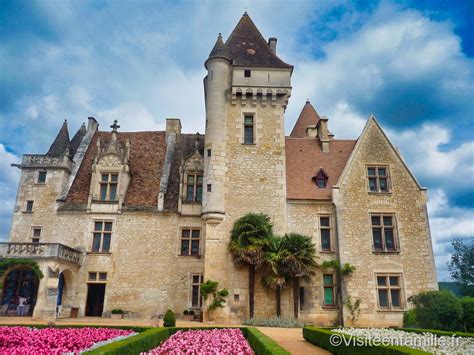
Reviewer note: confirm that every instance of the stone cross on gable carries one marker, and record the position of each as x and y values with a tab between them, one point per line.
115	126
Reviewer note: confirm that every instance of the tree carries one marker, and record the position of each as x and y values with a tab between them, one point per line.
461	265
249	238
274	277
299	262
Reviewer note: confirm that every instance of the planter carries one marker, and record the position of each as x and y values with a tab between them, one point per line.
116	316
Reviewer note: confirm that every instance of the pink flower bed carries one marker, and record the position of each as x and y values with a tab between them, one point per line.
215	341
24	340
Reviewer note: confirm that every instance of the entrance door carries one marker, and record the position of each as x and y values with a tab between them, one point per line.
95	300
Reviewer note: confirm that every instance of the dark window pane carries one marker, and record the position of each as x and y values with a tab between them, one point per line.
389	239
106	242
321	183
393	280
35	240
325	239
247	73
98	226
102	276
96	242
29	206
108	226
395	298
103	192
375	220
387	220
248	135
198	193
209	152
92	276
328	296
382	172
191	179
372	184
42	176
199	179
328	279
36	232
184	247
381	281
377	234
196	279
195	233
113	192
209	187
371	171
195	296
383	184
105	177
324	221
383	298
114	178
248	120
186	233
195	247
190	193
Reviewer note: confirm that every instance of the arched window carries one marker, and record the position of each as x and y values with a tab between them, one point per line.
320	179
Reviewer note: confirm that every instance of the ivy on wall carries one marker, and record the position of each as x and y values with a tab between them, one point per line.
6	264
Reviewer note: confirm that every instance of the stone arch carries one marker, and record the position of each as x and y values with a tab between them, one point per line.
19	281
65	288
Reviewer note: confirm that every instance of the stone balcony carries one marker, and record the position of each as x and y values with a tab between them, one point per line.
41	251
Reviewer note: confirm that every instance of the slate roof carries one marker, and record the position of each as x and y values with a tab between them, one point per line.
248	48
61	143
220	50
147	152
307	117
304	159
77	139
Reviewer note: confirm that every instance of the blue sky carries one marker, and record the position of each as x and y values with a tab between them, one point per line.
410	63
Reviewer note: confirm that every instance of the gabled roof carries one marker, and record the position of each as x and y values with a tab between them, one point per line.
248	48
61	142
305	158
308	117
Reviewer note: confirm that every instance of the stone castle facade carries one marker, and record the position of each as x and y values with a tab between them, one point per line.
137	220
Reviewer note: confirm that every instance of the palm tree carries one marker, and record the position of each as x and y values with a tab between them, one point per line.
275	277
249	237
299	262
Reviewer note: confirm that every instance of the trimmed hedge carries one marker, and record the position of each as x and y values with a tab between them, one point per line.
321	337
152	338
147	340
261	344
437	332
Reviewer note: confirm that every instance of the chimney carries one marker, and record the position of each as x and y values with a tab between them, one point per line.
173	126
272	43
92	124
323	133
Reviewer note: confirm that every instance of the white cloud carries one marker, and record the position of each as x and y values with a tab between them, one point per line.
8	183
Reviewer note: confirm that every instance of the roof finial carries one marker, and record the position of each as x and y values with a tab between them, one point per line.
245	12
115	126
307	101
196	143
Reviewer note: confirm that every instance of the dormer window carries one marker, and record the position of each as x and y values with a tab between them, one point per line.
108	186
194	188
320	179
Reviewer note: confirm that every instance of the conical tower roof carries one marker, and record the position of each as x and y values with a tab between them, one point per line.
248	48
220	50
308	117
61	144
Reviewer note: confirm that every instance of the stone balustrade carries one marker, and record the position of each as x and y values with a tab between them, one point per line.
41	250
45	161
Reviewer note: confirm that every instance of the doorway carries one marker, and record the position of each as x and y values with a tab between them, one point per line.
95	299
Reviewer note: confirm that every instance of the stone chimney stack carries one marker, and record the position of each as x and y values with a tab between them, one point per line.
272	43
323	133
173	126
92	124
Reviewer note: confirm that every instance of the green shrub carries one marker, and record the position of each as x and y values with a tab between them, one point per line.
169	320
136	344
186	312
191	312
117	311
263	345
437	310
409	319
321	337
438	332
467	304
274	322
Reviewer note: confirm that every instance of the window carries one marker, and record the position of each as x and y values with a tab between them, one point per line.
248	129
29	206
378	178
196	298
190	239
321	179
325	231
209	152
247	73
384	232
389	291
194	188
102	237
41	177
236	297
209	188
95	276
329	290
108	187
301	298
36	235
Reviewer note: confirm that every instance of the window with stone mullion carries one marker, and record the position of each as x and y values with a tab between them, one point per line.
389	291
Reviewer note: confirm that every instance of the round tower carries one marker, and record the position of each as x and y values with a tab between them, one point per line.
216	85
